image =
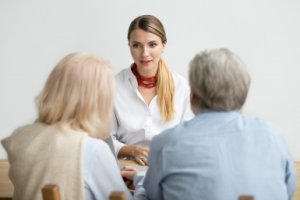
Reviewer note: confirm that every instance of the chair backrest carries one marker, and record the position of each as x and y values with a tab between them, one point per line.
246	197
117	195
51	192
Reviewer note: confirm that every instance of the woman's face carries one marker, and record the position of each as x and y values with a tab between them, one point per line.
146	49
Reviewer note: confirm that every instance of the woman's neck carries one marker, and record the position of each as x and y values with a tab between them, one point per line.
144	81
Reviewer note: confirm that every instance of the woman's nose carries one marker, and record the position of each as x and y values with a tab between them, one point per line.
145	51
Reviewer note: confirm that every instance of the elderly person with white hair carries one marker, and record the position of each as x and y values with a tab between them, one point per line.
64	146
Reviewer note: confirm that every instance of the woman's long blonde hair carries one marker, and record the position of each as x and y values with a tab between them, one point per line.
79	93
165	83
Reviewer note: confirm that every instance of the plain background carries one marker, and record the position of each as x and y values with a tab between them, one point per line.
36	34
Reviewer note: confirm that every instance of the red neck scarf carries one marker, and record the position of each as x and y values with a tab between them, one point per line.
146	82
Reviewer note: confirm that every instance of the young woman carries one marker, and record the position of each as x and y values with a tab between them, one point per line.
149	97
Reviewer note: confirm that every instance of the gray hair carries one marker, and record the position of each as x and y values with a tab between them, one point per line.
219	80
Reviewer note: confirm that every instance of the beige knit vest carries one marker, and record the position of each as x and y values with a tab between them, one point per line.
40	154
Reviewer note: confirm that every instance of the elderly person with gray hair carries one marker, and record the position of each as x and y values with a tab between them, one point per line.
220	153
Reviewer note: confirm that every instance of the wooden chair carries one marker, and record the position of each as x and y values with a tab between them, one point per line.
246	197
51	192
117	195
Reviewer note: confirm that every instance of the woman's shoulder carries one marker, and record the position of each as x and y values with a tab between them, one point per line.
124	79
180	82
95	144
123	74
24	129
179	78
7	141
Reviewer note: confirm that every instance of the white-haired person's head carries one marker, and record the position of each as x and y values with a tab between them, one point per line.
219	80
78	93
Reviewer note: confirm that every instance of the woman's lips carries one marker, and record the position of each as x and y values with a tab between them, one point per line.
145	61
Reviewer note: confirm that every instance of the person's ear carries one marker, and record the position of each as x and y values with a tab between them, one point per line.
194	102
192	97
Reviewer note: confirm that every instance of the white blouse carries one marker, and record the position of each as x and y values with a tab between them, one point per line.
135	123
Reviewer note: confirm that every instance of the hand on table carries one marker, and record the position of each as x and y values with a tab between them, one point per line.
138	153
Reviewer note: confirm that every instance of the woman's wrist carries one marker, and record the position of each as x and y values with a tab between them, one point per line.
125	151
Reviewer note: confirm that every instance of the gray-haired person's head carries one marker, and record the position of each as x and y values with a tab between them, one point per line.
219	80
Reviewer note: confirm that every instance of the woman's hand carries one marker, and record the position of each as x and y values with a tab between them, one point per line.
138	153
128	173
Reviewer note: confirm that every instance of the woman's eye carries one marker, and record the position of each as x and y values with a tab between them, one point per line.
135	45
153	45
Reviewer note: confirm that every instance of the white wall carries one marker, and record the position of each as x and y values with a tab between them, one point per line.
35	34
